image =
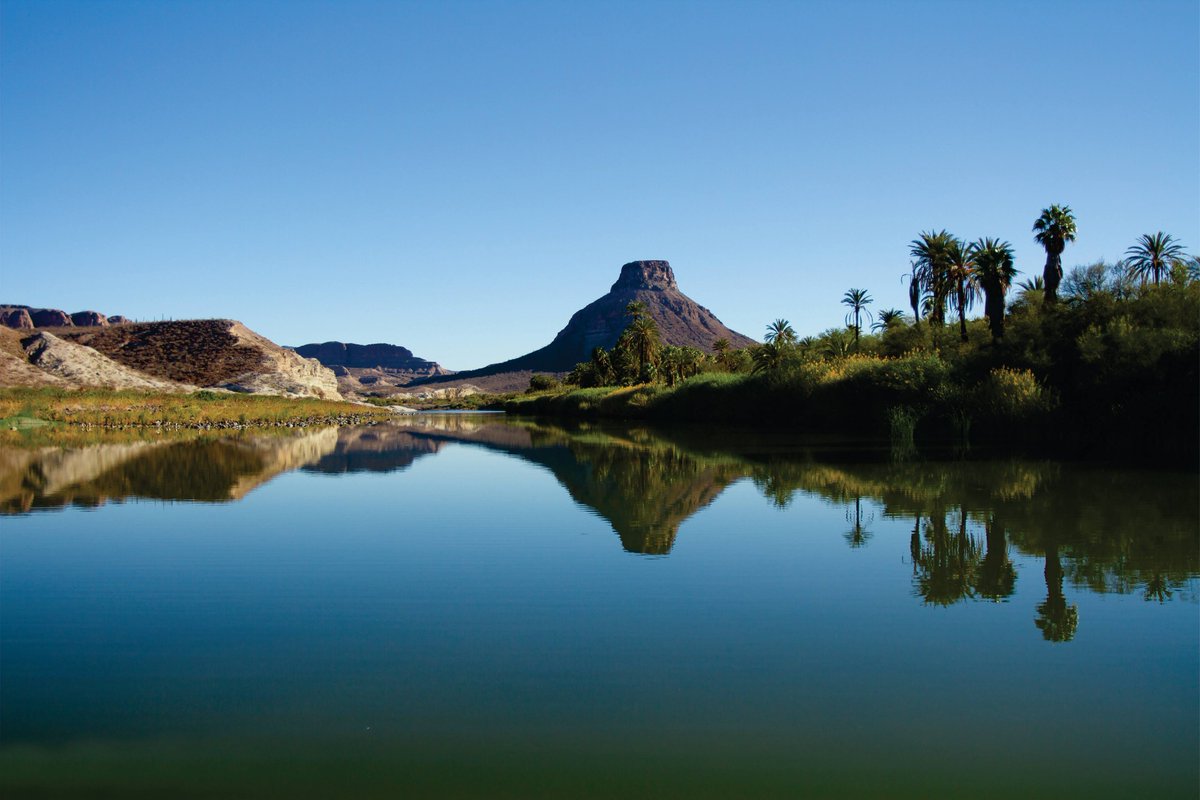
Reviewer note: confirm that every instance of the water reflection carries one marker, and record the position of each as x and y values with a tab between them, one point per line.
1097	529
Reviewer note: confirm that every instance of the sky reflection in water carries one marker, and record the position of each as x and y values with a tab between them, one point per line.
470	606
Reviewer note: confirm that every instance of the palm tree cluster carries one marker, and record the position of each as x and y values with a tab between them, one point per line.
949	271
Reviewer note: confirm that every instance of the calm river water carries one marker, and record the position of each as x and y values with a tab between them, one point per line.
469	606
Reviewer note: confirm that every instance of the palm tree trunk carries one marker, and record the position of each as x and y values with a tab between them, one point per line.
962	311
1052	275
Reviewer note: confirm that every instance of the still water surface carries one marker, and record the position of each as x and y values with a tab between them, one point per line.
470	606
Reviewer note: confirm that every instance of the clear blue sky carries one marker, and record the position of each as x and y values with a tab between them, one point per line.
460	177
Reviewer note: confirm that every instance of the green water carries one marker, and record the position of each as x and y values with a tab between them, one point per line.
469	606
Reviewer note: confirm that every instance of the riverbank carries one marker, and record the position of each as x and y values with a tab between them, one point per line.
914	399
24	407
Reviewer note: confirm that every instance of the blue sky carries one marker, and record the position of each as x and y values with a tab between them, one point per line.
460	177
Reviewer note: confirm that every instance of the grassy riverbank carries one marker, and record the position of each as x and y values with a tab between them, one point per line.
22	407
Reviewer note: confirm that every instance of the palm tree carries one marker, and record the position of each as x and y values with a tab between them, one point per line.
1153	256
960	272
780	332
1054	228
1193	268
886	317
644	338
994	272
781	341
915	292
721	352
857	300
930	252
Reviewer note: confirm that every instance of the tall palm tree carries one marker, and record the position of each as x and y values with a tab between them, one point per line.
1054	228
1153	256
960	273
644	335
857	300
930	253
994	272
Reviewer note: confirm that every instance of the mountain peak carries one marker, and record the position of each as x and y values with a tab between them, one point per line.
646	275
681	322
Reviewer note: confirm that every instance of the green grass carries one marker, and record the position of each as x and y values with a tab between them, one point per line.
118	409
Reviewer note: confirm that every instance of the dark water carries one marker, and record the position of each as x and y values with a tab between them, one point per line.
469	607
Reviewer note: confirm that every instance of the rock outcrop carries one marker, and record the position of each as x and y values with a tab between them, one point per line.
77	365
50	318
15	317
681	322
280	370
19	316
89	319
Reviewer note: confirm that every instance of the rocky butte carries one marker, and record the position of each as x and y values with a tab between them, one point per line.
374	369
681	322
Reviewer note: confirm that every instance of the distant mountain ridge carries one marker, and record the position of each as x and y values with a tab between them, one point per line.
370	356
681	322
374	370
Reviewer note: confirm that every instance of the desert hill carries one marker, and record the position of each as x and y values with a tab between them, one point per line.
160	356
681	322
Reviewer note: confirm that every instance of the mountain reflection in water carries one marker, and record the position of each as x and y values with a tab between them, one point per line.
1097	528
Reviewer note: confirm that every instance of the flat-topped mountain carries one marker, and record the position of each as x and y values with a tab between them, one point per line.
681	321
371	356
372	369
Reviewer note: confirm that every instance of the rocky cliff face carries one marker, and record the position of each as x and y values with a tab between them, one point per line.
15	317
18	316
681	322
